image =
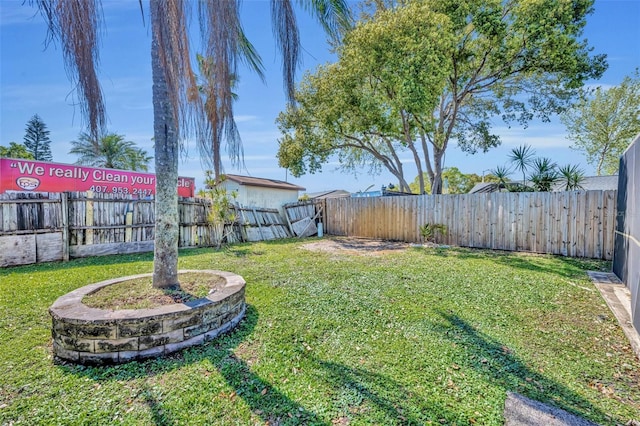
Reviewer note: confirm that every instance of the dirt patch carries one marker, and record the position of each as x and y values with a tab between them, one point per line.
356	246
139	293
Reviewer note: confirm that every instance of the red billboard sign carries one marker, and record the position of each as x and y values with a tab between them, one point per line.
27	175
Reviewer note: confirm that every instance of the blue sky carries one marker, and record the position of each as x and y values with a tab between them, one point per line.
33	80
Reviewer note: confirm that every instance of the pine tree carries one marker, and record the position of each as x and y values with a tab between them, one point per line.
37	139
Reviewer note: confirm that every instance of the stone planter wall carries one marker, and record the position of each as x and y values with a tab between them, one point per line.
87	335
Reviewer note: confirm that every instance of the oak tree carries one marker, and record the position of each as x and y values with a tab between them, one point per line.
417	76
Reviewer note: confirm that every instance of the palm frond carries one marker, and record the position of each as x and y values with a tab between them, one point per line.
169	18
285	31
76	24
572	177
110	151
522	157
334	16
502	173
544	174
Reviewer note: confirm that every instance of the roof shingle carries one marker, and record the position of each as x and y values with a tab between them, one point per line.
263	182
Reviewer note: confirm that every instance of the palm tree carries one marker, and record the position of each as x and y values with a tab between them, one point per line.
502	175
544	174
178	110
522	157
110	151
571	177
208	87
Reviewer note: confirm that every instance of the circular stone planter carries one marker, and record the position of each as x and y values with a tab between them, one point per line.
87	335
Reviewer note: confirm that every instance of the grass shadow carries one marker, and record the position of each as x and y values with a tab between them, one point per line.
361	391
262	397
498	364
571	267
158	415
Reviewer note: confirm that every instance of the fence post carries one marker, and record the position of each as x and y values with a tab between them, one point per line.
128	230
128	222
89	218
64	207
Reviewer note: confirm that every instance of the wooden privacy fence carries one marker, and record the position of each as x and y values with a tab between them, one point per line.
41	227
572	223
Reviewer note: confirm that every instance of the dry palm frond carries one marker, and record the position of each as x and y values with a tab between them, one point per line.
222	39
169	24
285	30
76	24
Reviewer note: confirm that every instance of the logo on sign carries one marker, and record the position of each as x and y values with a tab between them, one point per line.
28	183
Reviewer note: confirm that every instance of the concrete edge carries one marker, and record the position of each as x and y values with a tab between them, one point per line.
612	291
522	411
70	307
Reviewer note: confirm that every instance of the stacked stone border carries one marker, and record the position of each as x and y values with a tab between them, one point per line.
87	335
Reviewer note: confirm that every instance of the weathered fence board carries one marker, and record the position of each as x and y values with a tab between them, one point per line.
575	223
303	216
48	247
17	250
259	224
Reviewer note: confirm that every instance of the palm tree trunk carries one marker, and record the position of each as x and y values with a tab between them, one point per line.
217	161
165	259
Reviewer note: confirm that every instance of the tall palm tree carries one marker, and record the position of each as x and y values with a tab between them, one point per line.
522	157
110	151
178	110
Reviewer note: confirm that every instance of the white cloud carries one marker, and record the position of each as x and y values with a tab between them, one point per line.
142	140
245	118
248	158
542	136
260	139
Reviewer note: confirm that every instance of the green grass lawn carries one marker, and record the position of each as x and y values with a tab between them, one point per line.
422	336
